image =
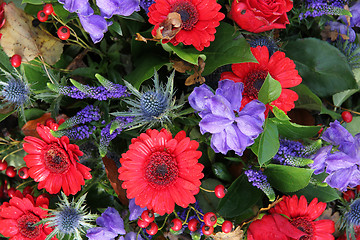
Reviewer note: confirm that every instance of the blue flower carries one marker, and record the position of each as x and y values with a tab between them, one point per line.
264	41
352	218
135	210
341	163
95	25
145	4
15	92
231	128
81	7
108	8
259	180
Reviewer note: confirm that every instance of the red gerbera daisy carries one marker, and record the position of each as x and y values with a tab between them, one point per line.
19	215
159	170
303	215
199	20
253	76
53	162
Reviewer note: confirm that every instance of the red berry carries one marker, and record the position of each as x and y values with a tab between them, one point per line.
193	225
152	229
348	195
346	116
48	9
207	230
148	216
220	191
3	165
63	32
176	224
141	223
41	15
15	60
27	190
210	219
227	226
23	173
11	192
10	171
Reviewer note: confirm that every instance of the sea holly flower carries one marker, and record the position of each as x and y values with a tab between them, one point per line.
20	217
231	128
70	219
253	76
198	20
159	170
266	41
145	4
342	164
303	215
53	162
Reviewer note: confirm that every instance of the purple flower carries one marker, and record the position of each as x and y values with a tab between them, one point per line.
135	210
81	7
95	25
108	8
132	236
145	4
259	180
343	29
231	128
355	15
111	225
341	165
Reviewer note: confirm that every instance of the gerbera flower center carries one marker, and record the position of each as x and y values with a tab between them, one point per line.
304	225
26	225
189	14
161	170
56	159
253	82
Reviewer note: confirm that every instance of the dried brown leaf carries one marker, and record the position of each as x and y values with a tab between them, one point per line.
346	7
196	77
237	234
29	129
169	27
140	38
181	66
20	37
113	176
326	33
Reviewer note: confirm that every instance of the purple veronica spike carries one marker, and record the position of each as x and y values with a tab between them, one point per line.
341	165
81	7
258	179
95	25
229	131
108	8
135	210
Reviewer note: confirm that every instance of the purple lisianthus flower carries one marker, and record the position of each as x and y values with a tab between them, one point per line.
341	163
111	225
343	29
135	210
95	25
231	128
81	7
132	236
108	8
355	15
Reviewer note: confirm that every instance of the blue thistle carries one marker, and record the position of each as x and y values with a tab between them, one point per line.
352	218
145	4
87	114
16	92
70	219
264	41
151	106
259	180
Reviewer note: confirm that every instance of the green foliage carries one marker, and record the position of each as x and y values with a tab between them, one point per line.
354	126
307	99
322	66
188	54
221	172
269	143
207	200
291	130
270	90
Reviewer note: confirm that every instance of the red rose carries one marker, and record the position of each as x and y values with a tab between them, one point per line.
260	16
272	227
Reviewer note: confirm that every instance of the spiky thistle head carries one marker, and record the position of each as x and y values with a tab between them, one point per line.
70	219
152	106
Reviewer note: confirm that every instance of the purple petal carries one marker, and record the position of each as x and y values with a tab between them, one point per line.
236	140
111	220
319	159
132	236
250	126
344	177
213	124
135	210
81	7
108	8
95	25
219	106
338	135
343	29
339	160
218	143
100	233
198	97
232	92
254	108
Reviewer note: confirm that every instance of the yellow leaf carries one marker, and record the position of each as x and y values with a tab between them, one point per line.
20	37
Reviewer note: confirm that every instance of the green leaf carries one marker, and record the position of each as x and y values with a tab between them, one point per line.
116	28
307	99
227	48
269	143
270	90
189	54
35	75
287	178
207	200
333	114
295	131
280	114
241	195
322	66
339	98
354	126
220	171
38	2
3	116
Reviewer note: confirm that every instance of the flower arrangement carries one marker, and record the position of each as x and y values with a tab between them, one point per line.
179	119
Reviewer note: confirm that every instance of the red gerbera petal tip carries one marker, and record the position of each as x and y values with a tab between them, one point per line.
53	162
199	20
253	76
159	170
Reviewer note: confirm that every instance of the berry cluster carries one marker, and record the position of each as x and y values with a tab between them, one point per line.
10	171
146	220
350	195
43	15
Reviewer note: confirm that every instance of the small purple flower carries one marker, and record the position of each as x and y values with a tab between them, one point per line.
95	25
108	8
132	236
259	180
341	165
81	7
135	210
145	4
231	128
